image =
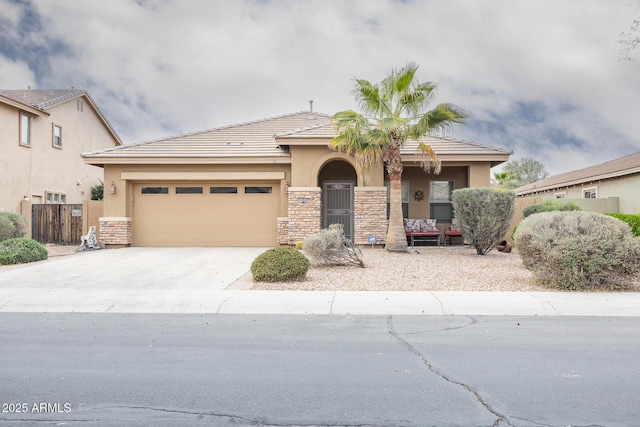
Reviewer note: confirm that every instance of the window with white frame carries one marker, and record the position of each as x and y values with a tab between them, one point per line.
440	206
53	197
562	195
57	136
590	193
25	129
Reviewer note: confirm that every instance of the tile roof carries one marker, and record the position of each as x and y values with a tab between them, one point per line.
441	145
267	138
618	167
42	98
249	139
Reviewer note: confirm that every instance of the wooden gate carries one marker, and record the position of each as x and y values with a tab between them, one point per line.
59	224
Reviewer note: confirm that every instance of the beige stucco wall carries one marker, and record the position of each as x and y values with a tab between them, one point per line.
307	161
32	171
420	181
120	203
626	189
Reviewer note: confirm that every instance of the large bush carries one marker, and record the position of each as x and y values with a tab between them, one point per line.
549	206
483	215
632	220
579	250
20	250
331	247
12	225
279	264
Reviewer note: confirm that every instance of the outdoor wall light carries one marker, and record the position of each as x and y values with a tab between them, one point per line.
286	187
112	190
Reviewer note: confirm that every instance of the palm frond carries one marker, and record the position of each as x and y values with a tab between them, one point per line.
439	119
429	159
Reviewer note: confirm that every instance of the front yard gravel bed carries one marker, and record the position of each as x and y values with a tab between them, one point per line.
421	269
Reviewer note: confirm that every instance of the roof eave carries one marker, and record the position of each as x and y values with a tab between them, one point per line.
21	106
579	181
106	160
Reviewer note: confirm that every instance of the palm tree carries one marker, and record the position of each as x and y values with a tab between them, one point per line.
392	112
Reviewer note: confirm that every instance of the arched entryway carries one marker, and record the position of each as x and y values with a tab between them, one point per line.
337	178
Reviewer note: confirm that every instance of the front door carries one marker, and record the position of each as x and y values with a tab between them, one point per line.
337	205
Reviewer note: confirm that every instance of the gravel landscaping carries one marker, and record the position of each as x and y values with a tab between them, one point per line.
421	269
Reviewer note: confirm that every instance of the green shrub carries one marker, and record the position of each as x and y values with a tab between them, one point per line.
550	206
483	215
331	247
279	264
97	191
12	225
632	220
579	250
7	228
20	250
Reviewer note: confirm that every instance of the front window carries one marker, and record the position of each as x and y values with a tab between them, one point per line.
590	193
562	195
440	206
57	136
25	129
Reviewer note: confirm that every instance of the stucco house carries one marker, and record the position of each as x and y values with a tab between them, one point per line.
613	186
42	136
268	182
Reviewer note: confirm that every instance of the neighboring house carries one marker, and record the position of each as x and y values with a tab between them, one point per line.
612	186
268	182
42	135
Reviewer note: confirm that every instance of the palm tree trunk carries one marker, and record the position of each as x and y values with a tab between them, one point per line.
396	237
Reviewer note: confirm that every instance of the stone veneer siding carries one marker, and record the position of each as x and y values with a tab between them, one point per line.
115	231
283	230
369	214
305	212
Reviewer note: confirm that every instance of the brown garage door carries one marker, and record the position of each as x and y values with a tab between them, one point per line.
211	214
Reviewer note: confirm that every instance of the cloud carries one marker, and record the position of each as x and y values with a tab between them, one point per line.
541	78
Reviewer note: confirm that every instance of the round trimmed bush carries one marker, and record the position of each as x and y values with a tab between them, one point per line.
279	264
579	250
20	250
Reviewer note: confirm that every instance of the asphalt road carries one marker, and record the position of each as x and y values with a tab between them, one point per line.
278	370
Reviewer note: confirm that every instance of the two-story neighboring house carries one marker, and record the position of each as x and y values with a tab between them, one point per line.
42	136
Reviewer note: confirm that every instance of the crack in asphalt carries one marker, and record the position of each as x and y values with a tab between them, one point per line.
500	417
242	420
453	328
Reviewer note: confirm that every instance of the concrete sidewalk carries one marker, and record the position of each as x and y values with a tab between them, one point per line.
201	280
318	302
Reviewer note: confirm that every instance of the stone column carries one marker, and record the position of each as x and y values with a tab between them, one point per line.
370	214
283	230
115	232
305	212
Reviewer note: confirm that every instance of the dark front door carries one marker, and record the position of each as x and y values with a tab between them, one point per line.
337	205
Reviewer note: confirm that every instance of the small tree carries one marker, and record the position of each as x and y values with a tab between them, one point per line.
12	225
483	215
522	172
97	191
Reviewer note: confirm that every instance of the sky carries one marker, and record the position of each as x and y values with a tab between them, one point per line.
547	79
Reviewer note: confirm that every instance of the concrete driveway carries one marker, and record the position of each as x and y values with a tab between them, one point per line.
137	268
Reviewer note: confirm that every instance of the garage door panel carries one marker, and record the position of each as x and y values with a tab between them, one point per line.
206	219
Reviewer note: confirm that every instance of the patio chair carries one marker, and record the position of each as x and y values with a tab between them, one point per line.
451	232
